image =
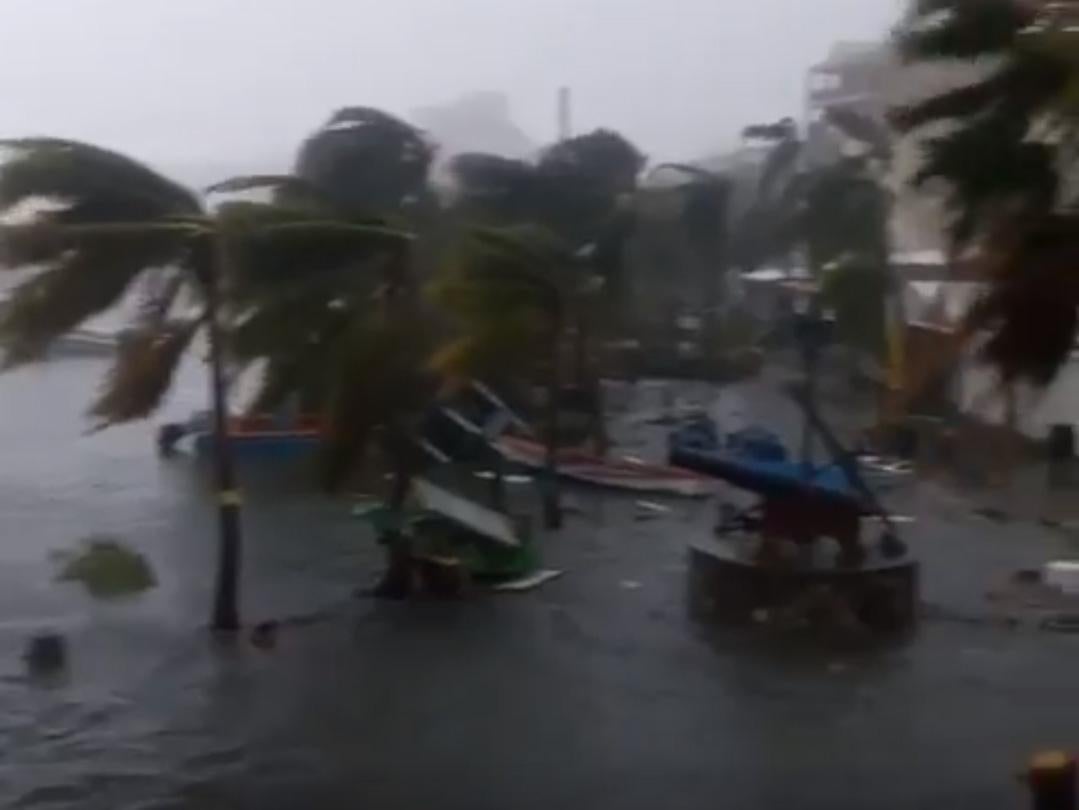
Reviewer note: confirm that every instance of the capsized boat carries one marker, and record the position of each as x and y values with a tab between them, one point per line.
452	529
256	436
618	473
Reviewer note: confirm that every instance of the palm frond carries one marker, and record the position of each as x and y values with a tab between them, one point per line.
1032	300
83	277
142	372
381	381
962	29
96	185
286	190
366	160
1024	172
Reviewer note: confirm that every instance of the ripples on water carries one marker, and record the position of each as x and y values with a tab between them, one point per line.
582	694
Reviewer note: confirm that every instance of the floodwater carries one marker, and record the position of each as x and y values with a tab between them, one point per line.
595	691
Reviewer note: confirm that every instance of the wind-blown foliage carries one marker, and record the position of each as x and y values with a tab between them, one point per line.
367	162
104	224
515	293
307	291
573	189
1005	146
991	122
107	229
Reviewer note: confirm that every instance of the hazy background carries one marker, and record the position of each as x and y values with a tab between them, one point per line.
207	87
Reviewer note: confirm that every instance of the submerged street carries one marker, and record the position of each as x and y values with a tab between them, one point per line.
596	690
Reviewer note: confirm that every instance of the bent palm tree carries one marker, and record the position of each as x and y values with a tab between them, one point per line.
337	324
102	226
514	292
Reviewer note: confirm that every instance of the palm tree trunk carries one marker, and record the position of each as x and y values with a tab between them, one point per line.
552	507
586	380
226	611
396	582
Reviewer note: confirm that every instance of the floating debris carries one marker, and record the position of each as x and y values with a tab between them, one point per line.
1063	575
46	654
529	582
264	635
512	478
994	514
106	568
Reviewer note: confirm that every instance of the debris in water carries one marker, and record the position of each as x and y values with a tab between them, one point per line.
529	582
264	635
106	568
630	584
46	654
512	478
992	513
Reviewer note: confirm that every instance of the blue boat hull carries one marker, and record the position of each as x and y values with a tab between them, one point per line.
262	445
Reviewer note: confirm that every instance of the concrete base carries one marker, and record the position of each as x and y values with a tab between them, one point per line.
728	584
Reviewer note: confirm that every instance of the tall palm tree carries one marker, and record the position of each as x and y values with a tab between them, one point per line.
515	293
98	226
704	218
577	191
342	329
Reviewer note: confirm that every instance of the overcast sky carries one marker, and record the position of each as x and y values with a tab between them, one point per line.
184	82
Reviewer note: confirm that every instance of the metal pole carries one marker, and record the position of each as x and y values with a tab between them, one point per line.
226	612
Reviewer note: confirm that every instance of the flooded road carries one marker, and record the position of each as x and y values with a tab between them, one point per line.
595	691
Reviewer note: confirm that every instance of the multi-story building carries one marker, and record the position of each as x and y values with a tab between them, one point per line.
871	79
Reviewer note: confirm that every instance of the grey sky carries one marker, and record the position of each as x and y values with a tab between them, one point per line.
243	80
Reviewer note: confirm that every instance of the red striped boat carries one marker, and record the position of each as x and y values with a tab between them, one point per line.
618	473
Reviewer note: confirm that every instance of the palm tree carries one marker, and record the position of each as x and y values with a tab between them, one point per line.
516	292
345	334
1004	144
100	226
577	190
704	203
999	119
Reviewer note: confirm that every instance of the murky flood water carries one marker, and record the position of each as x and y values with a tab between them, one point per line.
594	691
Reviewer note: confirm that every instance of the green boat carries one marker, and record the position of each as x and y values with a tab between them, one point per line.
445	526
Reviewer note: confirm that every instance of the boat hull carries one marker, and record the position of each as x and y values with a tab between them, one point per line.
622	474
263	444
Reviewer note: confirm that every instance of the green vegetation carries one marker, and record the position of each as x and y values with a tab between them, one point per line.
106	568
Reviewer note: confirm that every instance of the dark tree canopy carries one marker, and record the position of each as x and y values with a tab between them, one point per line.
573	189
602	160
367	161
